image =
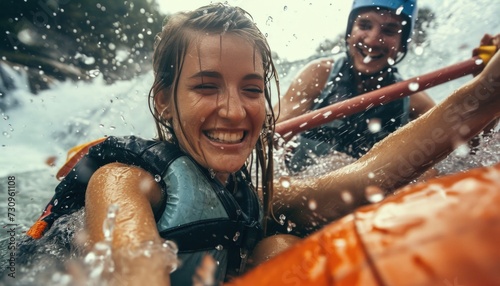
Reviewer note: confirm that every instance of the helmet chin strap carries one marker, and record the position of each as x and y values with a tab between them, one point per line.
400	57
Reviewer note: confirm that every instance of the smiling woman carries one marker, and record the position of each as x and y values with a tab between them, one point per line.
199	182
220	114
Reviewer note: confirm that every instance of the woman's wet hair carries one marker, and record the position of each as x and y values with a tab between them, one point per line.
171	45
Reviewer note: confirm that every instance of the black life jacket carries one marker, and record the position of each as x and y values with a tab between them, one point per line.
350	135
242	207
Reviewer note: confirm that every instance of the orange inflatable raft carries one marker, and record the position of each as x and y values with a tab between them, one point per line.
444	232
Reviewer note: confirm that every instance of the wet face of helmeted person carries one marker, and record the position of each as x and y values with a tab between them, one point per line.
220	108
375	40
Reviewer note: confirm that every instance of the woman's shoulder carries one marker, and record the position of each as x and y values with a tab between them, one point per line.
321	63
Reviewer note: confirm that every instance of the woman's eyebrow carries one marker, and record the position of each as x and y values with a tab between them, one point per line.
253	76
213	74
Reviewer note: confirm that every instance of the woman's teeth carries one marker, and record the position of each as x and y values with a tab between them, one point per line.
226	137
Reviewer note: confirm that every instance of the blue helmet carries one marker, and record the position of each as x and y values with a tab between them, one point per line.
405	8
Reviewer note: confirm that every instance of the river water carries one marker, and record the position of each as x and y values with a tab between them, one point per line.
36	128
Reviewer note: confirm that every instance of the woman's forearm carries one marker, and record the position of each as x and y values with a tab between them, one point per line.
136	246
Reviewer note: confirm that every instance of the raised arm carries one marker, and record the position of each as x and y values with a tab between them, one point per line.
136	194
306	86
398	159
420	103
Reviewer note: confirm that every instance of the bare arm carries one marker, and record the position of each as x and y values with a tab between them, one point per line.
419	145
135	193
306	87
420	103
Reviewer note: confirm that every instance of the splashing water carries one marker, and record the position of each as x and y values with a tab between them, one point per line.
413	86
49	124
99	260
374	194
375	125
59	256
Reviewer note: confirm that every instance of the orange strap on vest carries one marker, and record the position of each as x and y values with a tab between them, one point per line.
74	155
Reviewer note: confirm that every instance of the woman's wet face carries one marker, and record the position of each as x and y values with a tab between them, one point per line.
375	40
220	102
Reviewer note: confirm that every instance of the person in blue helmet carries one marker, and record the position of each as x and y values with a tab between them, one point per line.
377	36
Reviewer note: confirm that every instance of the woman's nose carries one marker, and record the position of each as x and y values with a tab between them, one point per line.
231	106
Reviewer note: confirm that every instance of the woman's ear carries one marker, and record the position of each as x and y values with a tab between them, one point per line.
163	105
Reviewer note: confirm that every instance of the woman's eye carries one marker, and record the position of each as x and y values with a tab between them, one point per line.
253	90
205	86
206	89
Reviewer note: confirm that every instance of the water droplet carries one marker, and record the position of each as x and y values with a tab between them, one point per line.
282	218
112	211
285	182
171	246
336	50
290	226
391	61
157	178
340	243
462	151
212	173
285	8
312	204
375	125
236	236
399	10
219	247
419	50
374	194
346	197
243	253
371	175
413	86
479	61
94	73
108	225
56	202
269	20
367	59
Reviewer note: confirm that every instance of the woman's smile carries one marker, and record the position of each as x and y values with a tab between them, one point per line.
231	137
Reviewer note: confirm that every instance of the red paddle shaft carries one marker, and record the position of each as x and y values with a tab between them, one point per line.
357	104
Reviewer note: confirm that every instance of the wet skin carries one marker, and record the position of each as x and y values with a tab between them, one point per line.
374	41
220	102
